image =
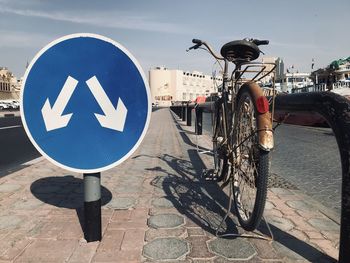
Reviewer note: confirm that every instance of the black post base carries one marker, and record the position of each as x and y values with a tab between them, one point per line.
92	224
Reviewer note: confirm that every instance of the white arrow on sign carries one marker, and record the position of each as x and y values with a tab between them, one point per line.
52	116
114	118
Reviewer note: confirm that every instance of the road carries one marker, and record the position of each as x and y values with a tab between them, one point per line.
309	158
306	158
16	148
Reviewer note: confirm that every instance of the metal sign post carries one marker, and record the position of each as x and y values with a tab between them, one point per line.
86	107
92	207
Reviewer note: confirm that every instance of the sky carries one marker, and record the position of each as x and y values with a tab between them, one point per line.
158	32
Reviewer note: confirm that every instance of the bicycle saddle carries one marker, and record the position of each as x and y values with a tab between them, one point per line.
240	50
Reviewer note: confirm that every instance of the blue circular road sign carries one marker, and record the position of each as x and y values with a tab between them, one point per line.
85	103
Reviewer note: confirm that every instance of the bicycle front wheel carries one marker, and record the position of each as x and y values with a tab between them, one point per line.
251	166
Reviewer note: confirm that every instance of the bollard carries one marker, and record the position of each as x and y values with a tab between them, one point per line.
183	112
178	111
189	115
92	207
199	121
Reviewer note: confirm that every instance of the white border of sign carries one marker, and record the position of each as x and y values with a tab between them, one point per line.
133	59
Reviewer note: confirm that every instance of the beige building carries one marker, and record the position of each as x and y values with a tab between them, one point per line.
269	65
171	85
9	85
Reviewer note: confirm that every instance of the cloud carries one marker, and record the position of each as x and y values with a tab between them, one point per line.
109	19
294	45
17	39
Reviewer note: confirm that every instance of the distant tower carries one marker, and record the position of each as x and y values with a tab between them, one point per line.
279	69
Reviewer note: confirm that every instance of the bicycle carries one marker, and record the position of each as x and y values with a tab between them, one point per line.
242	128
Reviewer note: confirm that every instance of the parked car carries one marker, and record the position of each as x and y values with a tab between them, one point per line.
4	105
15	104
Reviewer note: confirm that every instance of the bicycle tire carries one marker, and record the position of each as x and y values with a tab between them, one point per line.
251	166
219	153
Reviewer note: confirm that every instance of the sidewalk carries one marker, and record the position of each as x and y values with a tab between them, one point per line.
155	208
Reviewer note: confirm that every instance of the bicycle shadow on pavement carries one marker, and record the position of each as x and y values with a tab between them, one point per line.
200	201
205	204
300	249
65	192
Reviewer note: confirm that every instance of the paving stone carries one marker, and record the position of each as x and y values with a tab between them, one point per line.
164	232
8	222
9	188
237	249
165	248
111	241
286	252
165	221
324	224
273	212
199	248
84	252
300	223
195	231
128	189
310	214
156	211
48	251
281	191
281	223
269	205
264	249
294	249
162	202
130	219
313	235
12	246
119	203
133	239
331	235
27	204
326	246
300	205
129	256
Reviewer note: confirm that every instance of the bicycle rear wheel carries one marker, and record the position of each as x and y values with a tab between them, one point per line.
219	149
252	164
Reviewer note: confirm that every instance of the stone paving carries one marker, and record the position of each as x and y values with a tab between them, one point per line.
156	208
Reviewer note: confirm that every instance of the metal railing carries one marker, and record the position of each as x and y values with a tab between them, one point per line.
336	110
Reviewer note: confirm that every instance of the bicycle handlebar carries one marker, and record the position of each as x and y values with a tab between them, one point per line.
260	42
197	41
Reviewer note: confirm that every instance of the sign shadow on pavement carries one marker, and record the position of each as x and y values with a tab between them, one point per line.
65	192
